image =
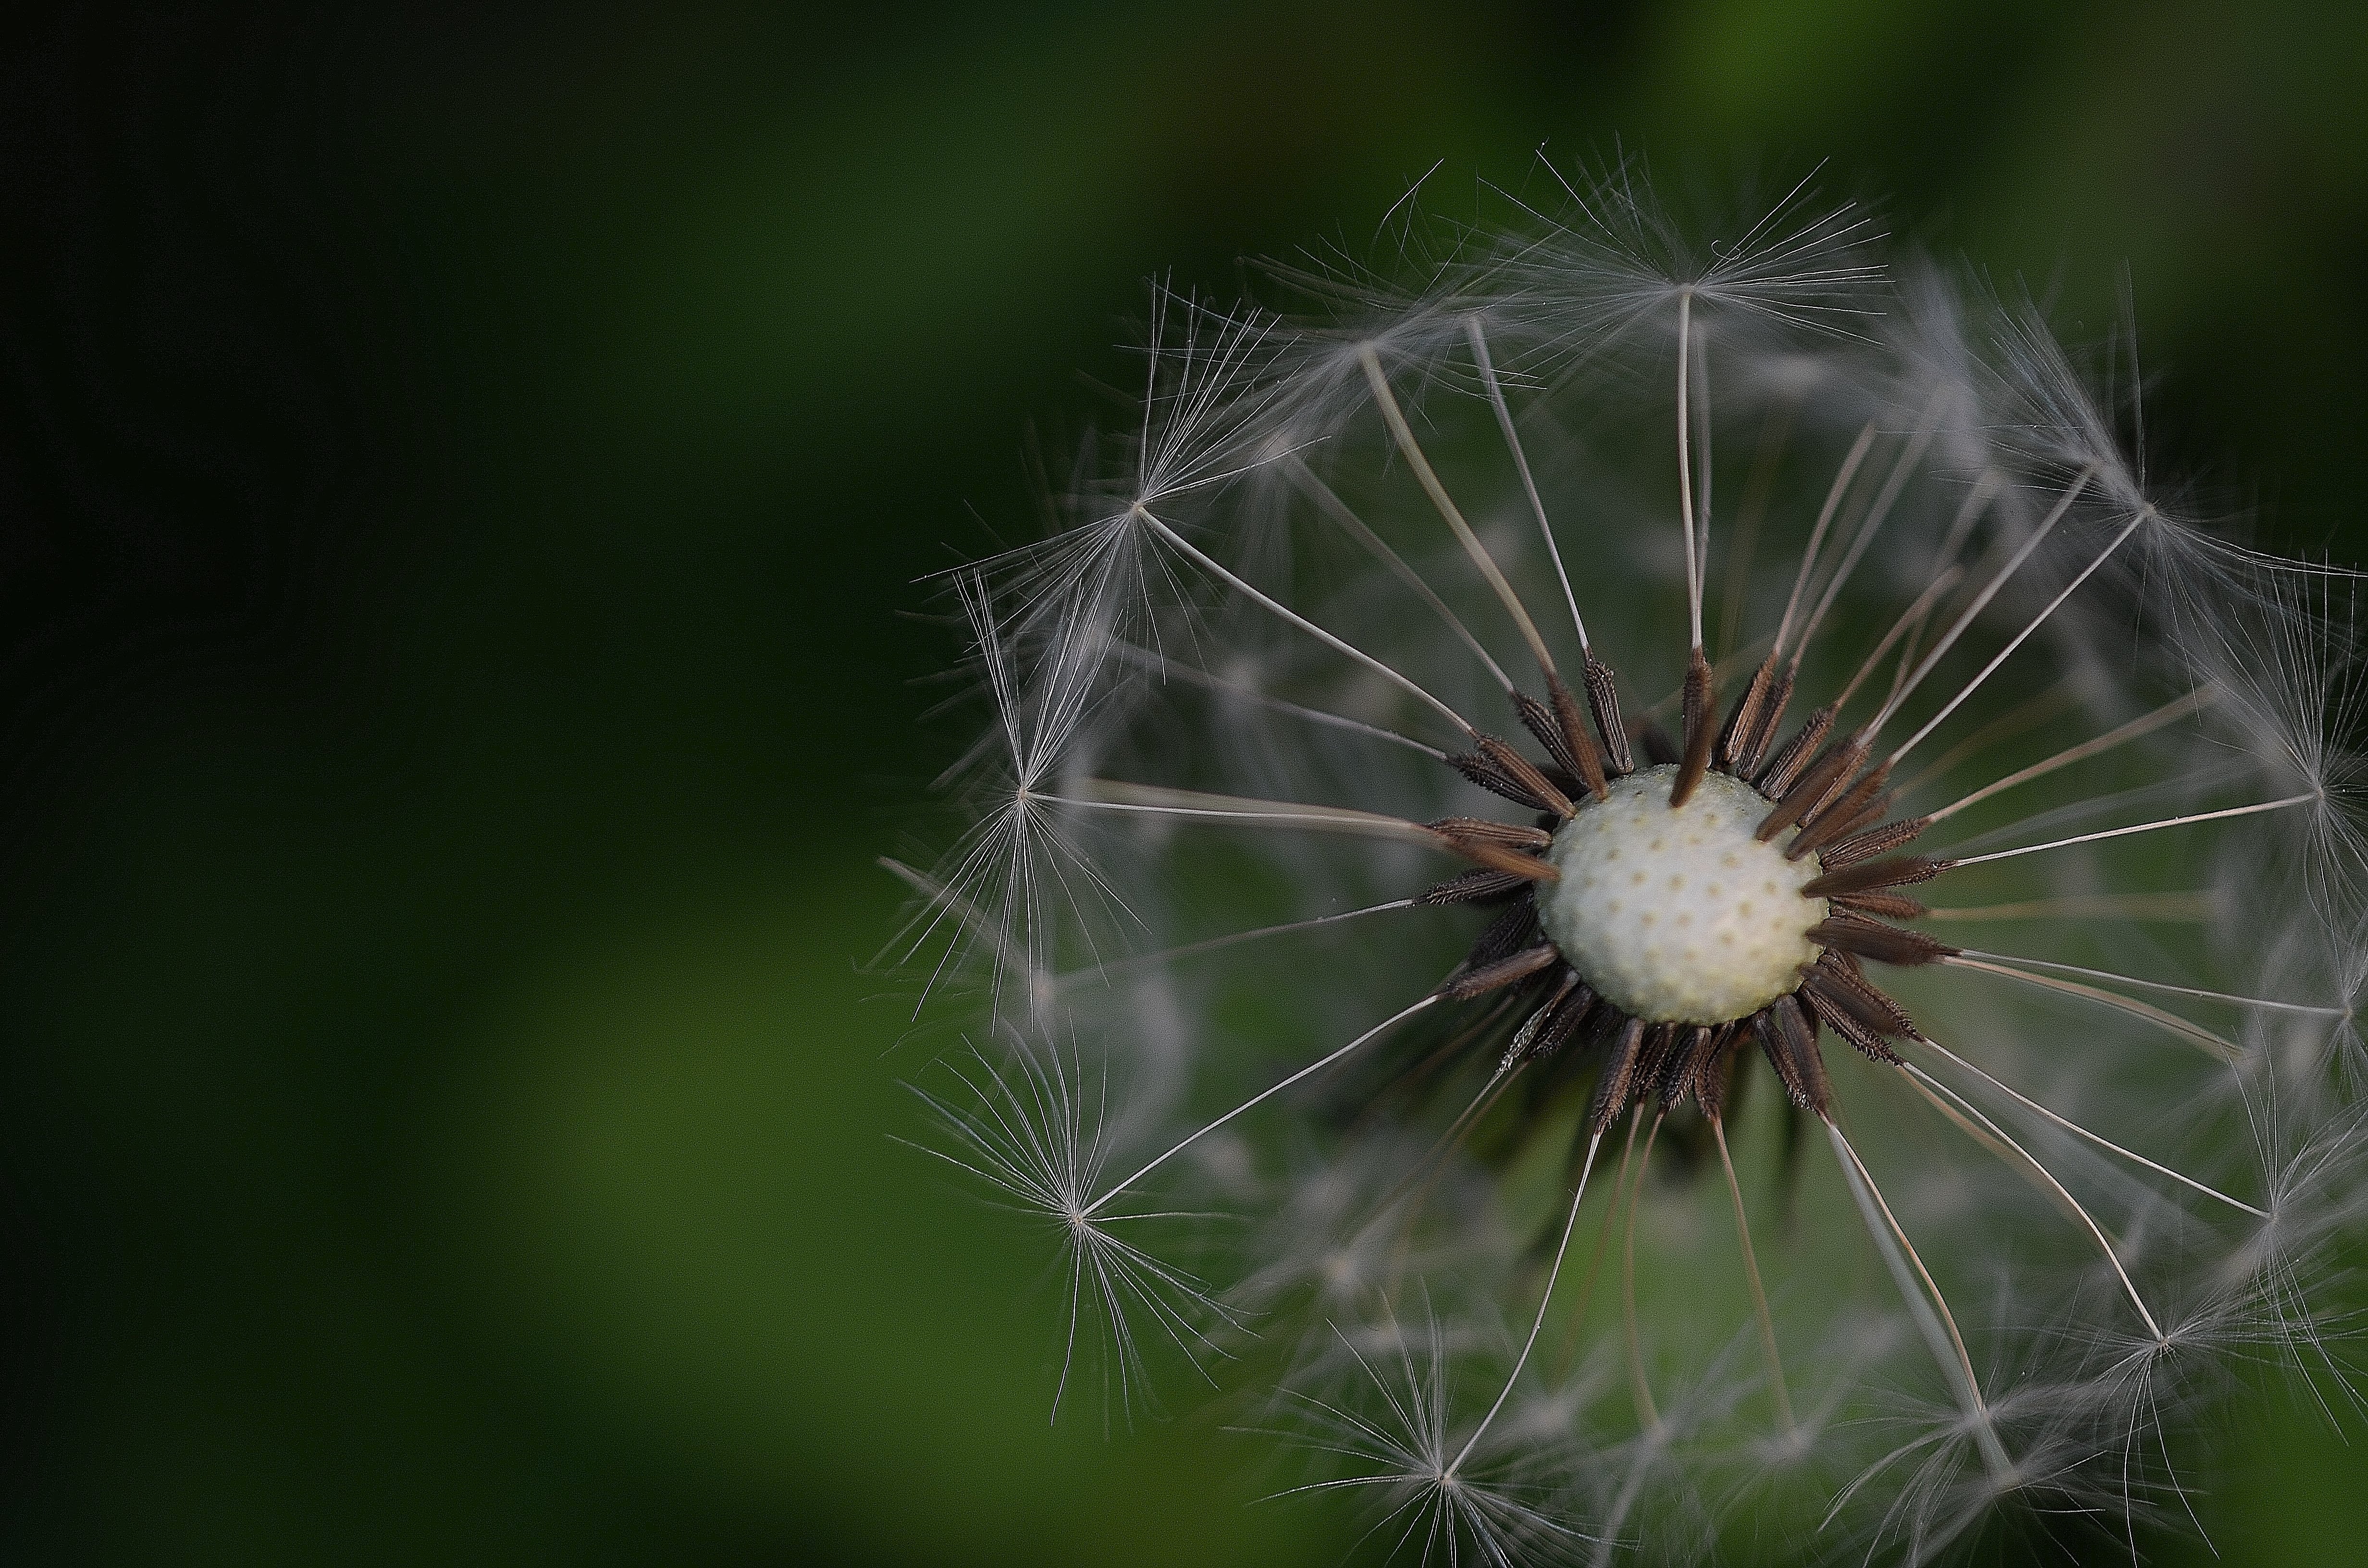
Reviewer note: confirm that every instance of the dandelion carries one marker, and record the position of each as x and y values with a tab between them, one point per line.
1676	808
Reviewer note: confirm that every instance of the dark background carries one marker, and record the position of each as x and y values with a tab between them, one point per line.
460	475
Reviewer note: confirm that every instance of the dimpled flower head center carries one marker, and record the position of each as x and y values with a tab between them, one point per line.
1680	915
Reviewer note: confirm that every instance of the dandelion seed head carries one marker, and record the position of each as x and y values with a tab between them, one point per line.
1646	854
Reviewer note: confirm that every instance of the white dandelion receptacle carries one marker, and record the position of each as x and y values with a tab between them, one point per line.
1679	916
1477	725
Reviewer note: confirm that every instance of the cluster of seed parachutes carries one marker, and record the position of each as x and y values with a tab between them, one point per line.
1768	865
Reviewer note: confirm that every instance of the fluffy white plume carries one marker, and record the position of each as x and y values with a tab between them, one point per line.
2062	1117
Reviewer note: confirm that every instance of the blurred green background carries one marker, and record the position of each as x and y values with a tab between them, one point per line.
460	474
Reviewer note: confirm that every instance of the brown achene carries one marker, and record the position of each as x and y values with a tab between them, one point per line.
1669	1062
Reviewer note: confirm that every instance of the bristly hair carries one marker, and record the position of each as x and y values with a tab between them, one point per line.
1637	880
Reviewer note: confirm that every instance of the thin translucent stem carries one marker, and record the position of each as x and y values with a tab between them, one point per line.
1153	800
1940	1334
1707	466
1193	950
1417	1183
1751	1274
2213	1044
1908	650
2021	718
2080	1131
1876	516
1201	558
2193	905
1933	1089
2017	641
1981	600
1403	434
2139	827
1842	478
1914	616
1773	433
1686	467
1258	1099
1328	502
1479	341
1645	1409
1164	667
1961	527
1595	1259
1544	1300
2227	996
2169	713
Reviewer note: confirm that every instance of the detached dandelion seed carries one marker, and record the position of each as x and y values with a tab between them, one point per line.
1366	816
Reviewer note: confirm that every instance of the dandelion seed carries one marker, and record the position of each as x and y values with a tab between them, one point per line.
1310	714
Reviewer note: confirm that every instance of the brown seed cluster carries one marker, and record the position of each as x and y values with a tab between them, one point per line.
1819	785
